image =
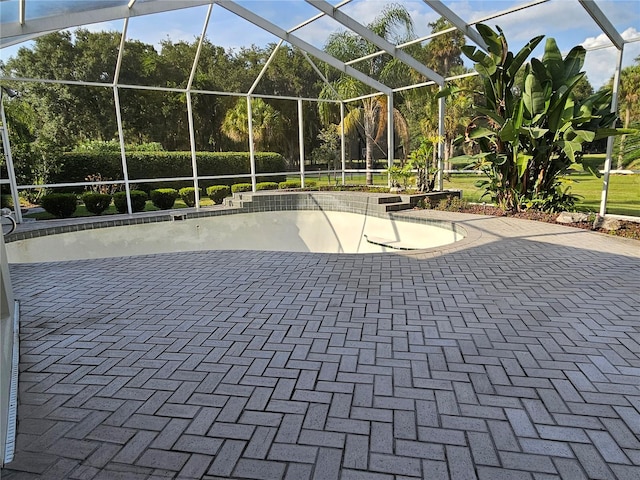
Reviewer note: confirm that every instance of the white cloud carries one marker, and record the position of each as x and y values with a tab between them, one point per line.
600	64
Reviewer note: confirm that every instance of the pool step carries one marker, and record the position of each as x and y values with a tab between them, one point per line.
397	206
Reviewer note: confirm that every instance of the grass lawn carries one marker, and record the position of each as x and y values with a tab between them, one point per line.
623	199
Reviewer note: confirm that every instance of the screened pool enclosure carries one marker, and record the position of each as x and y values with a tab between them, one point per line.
305	26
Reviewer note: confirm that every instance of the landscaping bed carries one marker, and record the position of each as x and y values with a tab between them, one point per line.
626	229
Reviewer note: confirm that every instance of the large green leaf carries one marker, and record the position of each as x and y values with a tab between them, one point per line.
570	148
612	132
481	132
486	67
585	135
448	91
522	162
540	70
552	60
561	109
508	132
522	56
536	132
473	53
574	61
533	96
491	114
494	43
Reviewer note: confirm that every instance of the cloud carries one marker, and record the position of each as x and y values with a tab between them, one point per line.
600	64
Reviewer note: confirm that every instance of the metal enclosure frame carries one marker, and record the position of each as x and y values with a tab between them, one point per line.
23	29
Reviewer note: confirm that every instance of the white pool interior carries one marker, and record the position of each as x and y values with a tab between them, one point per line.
296	231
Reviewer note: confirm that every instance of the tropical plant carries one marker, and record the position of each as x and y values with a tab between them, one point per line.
423	161
266	123
395	24
530	138
629	95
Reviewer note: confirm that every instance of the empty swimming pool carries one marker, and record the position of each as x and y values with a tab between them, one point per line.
296	231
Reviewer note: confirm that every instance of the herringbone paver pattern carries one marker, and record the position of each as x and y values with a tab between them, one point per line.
514	357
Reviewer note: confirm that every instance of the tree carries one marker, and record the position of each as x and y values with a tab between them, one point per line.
443	53
529	140
266	123
629	109
394	24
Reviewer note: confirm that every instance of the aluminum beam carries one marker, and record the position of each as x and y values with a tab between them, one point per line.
390	135
6	145
610	140
39	26
378	41
265	67
603	22
455	20
508	11
298	42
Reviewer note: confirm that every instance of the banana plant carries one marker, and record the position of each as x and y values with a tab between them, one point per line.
530	134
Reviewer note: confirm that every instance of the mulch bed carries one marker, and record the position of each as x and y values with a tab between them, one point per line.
627	229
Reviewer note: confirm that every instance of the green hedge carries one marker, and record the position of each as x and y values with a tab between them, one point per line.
188	195
77	166
61	205
240	187
266	186
138	201
96	203
218	193
164	198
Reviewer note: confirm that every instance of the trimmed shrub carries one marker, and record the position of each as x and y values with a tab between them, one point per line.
138	201
240	187
96	203
188	195
61	205
164	198
289	184
217	193
266	186
6	201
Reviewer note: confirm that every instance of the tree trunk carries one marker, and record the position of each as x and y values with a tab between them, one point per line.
369	127
627	119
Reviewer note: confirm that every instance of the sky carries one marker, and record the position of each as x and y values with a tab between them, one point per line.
565	20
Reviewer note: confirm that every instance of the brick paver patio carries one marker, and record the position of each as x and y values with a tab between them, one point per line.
514	355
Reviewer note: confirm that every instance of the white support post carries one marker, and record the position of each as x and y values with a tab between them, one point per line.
192	141
390	131
116	99
343	147
301	140
252	153
9	159
123	155
610	140
192	134
441	133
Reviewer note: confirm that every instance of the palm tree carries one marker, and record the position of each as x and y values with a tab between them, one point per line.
266	121
629	95
394	24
